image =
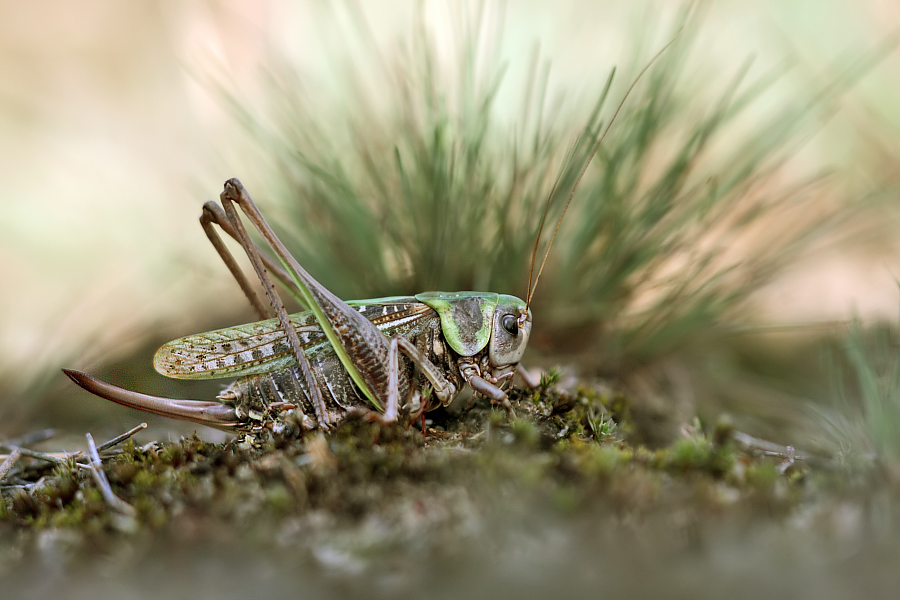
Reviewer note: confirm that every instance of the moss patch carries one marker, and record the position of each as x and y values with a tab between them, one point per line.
563	452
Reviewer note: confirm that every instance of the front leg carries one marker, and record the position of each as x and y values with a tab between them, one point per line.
530	380
485	388
472	374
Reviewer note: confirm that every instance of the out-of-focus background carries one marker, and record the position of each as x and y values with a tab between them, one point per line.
731	250
117	125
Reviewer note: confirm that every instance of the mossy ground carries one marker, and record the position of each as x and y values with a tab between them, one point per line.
480	493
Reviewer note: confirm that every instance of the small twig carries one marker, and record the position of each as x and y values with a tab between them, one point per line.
26	486
31	438
60	455
113	501
769	448
56	458
788	460
8	464
120	438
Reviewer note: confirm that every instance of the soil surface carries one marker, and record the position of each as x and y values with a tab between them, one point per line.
561	496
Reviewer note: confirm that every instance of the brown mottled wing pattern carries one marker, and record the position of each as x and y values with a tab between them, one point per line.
261	347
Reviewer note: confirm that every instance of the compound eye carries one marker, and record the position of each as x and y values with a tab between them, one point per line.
510	324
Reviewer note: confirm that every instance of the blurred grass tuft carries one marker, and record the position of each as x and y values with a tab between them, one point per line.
862	422
431	184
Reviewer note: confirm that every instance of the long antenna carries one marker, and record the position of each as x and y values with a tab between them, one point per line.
532	288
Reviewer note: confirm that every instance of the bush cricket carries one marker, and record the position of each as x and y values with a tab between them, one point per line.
309	370
312	368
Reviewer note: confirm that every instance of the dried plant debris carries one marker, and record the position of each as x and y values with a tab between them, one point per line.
383	505
565	451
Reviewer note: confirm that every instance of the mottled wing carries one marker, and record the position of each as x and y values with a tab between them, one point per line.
261	347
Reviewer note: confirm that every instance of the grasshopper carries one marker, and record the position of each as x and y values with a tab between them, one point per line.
310	370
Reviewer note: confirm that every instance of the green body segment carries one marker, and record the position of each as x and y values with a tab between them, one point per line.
466	318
